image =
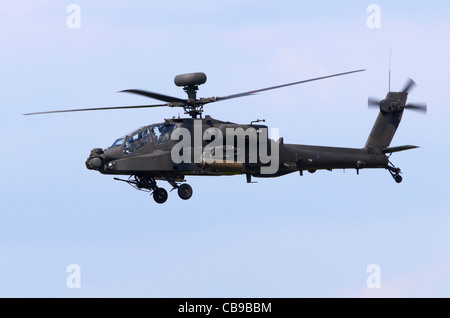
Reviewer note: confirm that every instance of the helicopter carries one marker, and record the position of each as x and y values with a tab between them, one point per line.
204	146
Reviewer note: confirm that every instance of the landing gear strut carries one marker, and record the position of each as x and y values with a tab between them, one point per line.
160	195
395	172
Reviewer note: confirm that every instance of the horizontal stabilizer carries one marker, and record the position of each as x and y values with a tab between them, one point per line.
399	148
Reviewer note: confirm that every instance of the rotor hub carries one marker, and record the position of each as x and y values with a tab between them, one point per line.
190	83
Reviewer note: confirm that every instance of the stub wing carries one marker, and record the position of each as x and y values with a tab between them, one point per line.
398	148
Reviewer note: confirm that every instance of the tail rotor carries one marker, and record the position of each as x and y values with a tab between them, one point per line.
389	117
396	101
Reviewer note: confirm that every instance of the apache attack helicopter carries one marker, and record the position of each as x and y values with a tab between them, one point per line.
180	147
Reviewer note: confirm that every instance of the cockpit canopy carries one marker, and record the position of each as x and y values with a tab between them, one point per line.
156	134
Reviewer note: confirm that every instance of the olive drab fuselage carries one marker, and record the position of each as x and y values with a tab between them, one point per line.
148	151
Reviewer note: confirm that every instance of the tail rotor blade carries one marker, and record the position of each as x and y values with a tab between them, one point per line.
409	85
421	107
373	102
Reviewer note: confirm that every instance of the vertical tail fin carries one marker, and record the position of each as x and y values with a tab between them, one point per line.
391	112
384	130
390	115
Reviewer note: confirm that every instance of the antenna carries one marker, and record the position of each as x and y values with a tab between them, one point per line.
390	54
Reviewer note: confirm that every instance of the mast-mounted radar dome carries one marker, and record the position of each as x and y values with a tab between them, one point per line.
190	79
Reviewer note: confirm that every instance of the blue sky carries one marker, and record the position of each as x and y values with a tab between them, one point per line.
310	236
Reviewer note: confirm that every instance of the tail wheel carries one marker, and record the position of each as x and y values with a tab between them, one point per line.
185	191
395	172
160	195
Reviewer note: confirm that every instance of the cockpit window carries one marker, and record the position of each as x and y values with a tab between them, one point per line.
137	141
118	142
161	134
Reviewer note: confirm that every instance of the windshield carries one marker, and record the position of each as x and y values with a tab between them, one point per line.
136	141
118	142
161	134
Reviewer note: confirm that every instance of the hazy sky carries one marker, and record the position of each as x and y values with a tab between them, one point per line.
310	236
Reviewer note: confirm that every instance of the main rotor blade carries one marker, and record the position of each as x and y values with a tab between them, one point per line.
283	85
422	107
164	98
97	108
409	84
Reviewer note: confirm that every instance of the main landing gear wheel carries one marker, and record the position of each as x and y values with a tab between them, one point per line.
185	191
160	195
